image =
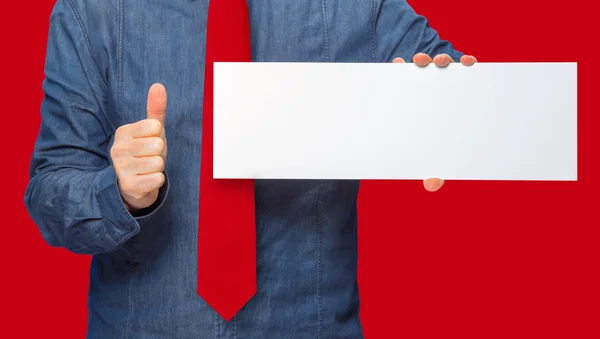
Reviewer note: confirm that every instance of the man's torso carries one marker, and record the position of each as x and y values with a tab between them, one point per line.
306	230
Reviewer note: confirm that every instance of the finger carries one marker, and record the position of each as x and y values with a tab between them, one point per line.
468	60
145	129
148	165
157	103
442	60
147	183
144	200
122	134
140	166
145	147
433	184
398	61
422	59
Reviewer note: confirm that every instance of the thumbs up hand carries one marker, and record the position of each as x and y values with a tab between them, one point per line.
139	152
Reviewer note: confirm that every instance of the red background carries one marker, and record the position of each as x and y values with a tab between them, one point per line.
475	260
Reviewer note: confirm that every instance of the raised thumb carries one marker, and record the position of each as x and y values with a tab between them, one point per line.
157	103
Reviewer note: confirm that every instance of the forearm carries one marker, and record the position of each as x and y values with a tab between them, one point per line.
401	32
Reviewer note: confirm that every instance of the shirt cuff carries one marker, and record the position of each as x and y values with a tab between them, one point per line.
121	224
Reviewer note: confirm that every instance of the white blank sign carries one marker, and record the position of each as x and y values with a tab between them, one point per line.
489	121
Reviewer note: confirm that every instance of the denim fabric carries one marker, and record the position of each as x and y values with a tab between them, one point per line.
102	56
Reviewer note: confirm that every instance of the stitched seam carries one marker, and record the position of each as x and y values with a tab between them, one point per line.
90	245
101	81
326	30
235	327
87	44
127	326
217	325
373	31
319	256
120	60
417	47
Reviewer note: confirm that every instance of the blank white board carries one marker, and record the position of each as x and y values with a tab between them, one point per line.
489	121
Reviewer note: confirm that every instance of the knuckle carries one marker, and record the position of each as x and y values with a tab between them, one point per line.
162	144
118	169
155	182
154	126
158	145
161	179
158	163
117	151
121	130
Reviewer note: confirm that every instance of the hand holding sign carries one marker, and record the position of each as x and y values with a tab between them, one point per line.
441	60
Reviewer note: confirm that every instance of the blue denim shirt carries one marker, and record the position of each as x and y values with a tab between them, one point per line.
102	56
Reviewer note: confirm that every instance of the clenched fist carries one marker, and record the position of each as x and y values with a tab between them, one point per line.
139	153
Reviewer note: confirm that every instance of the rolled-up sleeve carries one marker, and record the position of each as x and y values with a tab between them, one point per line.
401	32
73	195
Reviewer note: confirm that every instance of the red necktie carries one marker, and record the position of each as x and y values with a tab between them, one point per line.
227	229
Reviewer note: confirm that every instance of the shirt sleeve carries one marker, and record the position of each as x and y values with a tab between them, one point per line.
401	32
73	195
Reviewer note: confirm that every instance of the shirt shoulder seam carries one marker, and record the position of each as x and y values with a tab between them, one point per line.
88	45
